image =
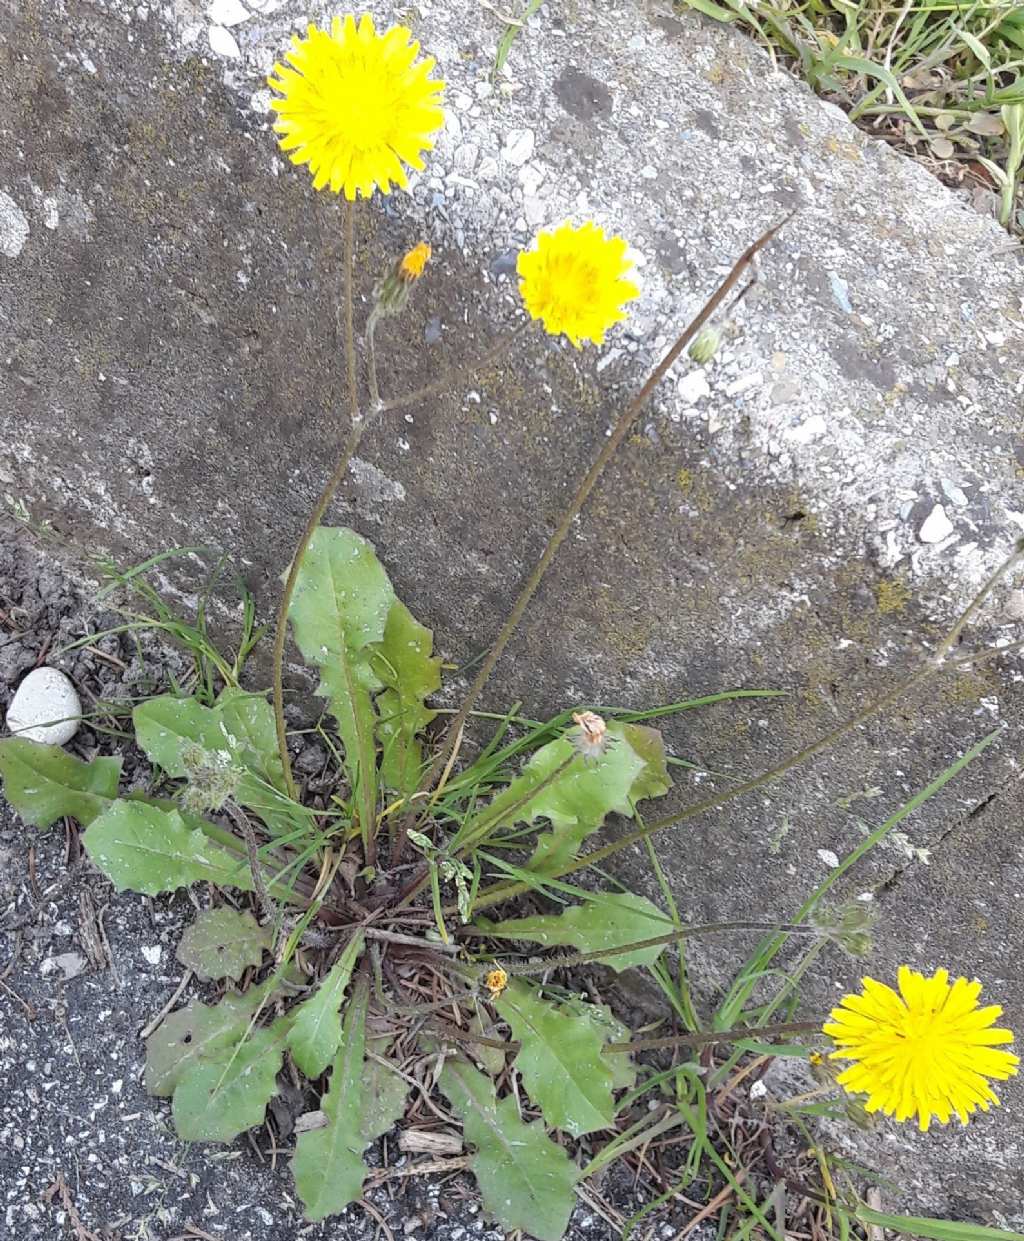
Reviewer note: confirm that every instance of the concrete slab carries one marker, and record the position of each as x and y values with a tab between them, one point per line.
170	377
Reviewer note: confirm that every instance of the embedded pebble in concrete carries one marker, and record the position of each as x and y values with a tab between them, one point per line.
936	526
227	12
223	42
14	227
45	708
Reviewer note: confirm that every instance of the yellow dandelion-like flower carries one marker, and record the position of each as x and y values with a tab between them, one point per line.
574	281
356	106
496	982
927	1051
412	265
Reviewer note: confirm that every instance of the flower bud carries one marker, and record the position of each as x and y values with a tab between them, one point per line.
705	346
392	292
212	778
848	925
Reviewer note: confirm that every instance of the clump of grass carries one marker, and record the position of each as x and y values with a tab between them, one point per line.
942	81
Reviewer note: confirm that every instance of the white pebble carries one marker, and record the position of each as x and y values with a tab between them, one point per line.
828	857
936	526
70	965
812	429
223	42
227	12
45	708
152	954
518	147
693	387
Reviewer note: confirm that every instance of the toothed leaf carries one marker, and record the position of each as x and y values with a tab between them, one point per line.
150	850
44	783
526	1180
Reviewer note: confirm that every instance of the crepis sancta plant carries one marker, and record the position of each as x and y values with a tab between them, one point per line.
360	942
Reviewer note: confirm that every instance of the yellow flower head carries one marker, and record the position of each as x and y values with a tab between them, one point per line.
574	281
496	982
356	105
927	1051
412	265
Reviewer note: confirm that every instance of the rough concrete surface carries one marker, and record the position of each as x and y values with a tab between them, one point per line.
171	377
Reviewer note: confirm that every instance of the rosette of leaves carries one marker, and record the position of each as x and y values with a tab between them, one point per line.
313	873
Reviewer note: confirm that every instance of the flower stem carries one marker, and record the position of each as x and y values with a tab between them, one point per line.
355	434
371	358
451	378
619	433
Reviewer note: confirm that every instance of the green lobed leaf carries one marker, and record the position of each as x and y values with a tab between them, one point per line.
328	1165
404	663
150	850
526	1180
315	1033
577	801
241	725
338	612
44	782
194	1034
228	1090
223	943
612	1030
559	1059
612	920
384	1095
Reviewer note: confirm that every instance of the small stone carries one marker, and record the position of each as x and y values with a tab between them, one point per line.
745	383
806	432
505	263
465	156
785	391
693	387
432	332
535	209
829	858
222	42
227	12
45	708
518	147
312	760
936	526
953	493
152	953
70	965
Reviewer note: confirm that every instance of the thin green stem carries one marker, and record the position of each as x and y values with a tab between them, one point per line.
705	1038
316	516
967	615
608	450
602	954
349	296
371	358
450	378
